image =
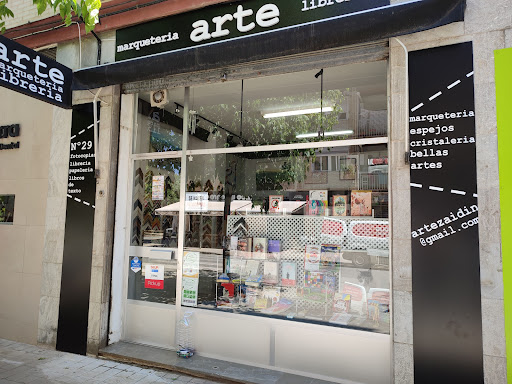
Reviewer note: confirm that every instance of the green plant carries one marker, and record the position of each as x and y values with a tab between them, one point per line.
86	10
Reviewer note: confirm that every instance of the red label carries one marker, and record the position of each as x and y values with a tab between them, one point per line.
154	284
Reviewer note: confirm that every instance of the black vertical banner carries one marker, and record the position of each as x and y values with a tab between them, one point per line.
447	316
77	261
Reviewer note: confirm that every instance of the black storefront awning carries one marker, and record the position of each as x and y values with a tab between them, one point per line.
372	25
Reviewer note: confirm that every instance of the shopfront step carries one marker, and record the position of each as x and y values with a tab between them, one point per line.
201	367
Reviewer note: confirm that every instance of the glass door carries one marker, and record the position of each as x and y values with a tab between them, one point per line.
154	240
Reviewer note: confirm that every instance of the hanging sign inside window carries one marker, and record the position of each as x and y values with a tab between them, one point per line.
158	188
196	202
230	21
154	278
27	71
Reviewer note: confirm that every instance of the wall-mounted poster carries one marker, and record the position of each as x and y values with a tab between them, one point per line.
158	188
339	205
361	203
348	168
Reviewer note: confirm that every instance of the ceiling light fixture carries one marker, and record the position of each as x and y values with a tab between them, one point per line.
333	133
297	112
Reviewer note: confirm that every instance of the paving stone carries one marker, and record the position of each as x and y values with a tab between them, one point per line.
27	364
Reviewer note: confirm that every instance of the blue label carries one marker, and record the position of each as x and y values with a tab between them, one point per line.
136	264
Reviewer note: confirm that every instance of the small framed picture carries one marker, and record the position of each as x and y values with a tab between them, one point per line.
348	168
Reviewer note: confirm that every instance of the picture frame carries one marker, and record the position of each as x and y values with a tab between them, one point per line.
348	168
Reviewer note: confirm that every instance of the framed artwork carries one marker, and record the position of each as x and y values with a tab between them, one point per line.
361	203
348	168
340	205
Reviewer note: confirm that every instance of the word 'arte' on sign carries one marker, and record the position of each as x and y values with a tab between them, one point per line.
18	74
267	16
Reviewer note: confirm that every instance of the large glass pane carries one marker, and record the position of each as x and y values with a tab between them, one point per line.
156	194
154	231
159	126
152	279
293	234
292	108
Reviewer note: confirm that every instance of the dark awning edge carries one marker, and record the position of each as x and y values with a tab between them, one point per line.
381	23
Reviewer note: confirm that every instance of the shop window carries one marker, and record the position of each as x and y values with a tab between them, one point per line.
271	110
6	209
154	231
291	108
279	234
297	230
159	122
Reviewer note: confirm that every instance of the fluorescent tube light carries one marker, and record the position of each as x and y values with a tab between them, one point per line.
297	112
339	133
307	135
333	133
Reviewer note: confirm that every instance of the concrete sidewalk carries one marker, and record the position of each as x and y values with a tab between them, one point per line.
22	363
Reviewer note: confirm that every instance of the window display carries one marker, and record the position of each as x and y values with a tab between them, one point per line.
154	240
283	217
283	250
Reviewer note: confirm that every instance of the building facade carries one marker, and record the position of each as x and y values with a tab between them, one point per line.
287	181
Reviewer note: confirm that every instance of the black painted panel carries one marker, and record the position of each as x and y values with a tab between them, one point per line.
77	261
445	247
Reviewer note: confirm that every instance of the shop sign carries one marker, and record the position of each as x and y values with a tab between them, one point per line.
78	235
446	298
154	277
26	71
190	279
158	188
9	131
231	21
196	202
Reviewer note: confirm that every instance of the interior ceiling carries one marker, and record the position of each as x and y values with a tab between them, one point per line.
369	79
221	101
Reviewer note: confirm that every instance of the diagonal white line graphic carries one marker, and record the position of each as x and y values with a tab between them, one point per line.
435	96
